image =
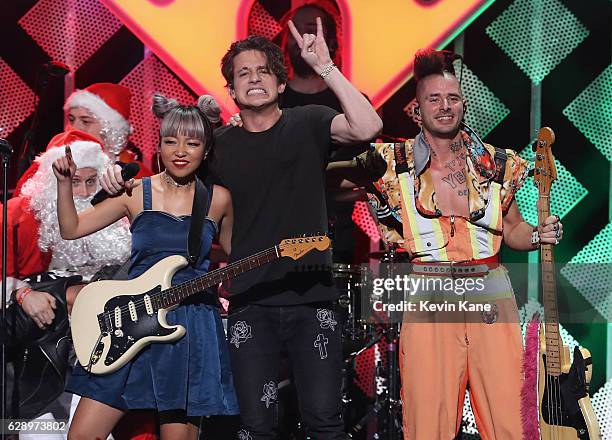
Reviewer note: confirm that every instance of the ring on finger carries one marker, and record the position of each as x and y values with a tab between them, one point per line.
557	234
556	241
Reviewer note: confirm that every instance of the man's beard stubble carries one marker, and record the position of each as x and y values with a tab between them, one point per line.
300	67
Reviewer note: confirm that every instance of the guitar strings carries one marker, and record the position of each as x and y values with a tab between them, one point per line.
172	289
553	394
126	309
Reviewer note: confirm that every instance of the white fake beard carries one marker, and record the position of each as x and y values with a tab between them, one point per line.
83	256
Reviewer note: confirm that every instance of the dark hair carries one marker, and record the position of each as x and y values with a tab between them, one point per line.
273	54
330	18
433	62
194	121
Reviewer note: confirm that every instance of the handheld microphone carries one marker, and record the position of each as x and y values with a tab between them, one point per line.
128	171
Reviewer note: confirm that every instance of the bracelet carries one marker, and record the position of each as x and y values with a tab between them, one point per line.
22	294
328	70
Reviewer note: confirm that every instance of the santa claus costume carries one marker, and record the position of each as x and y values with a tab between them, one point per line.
36	254
109	104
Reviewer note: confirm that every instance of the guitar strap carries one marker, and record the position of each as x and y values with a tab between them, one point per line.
199	209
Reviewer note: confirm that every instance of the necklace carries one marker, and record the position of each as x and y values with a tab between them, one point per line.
173	182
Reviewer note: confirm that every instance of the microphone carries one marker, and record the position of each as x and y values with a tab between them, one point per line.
5	148
128	171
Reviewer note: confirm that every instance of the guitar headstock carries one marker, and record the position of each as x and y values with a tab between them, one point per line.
300	246
545	171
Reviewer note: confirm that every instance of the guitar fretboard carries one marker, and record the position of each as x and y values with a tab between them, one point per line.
549	298
176	294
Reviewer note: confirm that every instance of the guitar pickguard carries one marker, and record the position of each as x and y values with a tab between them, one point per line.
559	405
134	325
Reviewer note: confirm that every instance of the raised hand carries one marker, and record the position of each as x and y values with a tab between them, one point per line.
64	167
314	49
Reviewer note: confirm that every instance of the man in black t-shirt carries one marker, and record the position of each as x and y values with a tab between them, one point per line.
305	87
274	166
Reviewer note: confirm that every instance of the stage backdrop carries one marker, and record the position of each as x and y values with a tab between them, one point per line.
527	63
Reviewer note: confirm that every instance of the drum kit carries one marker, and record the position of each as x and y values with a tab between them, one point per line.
370	343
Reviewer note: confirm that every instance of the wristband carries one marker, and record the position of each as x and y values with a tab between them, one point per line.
22	294
327	70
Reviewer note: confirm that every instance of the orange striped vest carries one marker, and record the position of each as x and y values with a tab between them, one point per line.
446	238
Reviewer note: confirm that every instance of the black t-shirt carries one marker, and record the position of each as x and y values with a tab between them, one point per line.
340	221
277	181
290	98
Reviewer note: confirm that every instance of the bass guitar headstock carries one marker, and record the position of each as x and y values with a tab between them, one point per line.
545	171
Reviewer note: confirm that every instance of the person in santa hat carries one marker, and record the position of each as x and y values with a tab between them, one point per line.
103	111
34	242
46	272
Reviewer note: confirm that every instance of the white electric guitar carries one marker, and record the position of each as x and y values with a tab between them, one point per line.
113	320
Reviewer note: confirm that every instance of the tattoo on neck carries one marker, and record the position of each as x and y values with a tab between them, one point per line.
450	165
455	146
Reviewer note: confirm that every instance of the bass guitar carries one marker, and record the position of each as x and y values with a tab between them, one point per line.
563	387
113	320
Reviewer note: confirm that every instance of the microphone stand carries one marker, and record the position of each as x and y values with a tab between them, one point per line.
5	151
38	134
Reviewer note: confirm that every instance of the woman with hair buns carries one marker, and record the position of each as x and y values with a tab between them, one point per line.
191	377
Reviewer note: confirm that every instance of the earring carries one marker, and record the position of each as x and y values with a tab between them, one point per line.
417	110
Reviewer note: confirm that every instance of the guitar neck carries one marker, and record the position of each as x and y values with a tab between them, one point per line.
549	298
176	294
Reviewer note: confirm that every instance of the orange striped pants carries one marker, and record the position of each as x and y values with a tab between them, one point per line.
438	360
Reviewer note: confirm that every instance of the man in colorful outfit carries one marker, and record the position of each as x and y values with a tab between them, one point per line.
455	198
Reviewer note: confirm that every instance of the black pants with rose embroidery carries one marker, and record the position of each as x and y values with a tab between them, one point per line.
310	336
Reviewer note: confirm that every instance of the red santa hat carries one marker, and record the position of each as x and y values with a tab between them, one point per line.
86	151
107	101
